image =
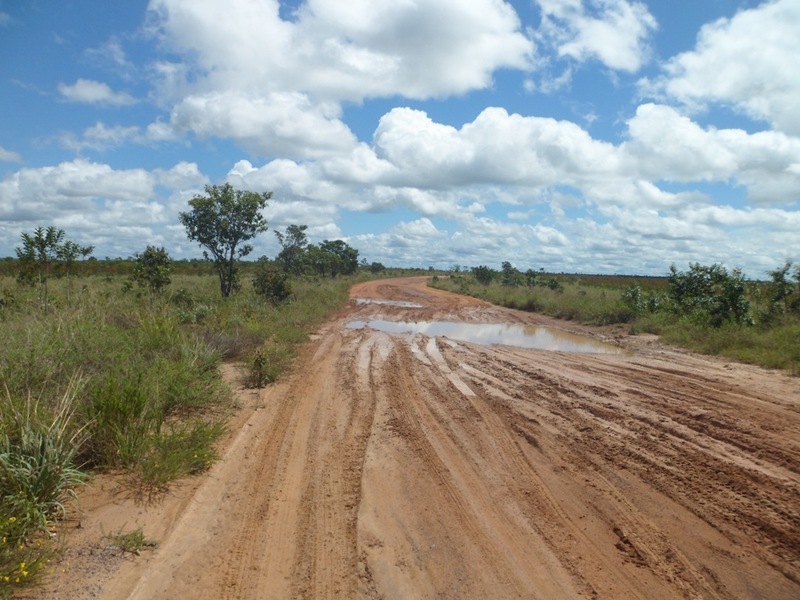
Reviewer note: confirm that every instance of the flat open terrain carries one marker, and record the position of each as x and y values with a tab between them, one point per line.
405	466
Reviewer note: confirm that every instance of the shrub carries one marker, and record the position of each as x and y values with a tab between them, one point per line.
152	268
272	285
710	294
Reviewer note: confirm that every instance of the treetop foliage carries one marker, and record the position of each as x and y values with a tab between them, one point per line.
329	258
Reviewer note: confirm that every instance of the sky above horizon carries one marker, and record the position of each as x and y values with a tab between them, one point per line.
593	136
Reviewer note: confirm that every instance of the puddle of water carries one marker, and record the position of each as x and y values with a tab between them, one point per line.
525	336
398	303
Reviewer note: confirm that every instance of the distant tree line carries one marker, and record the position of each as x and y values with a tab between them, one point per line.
223	222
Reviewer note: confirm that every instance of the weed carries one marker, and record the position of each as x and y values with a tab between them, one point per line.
132	542
179	449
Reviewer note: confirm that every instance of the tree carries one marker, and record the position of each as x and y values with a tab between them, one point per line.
221	221
37	255
511	277
68	253
781	289
343	258
41	251
152	268
291	258
483	274
332	258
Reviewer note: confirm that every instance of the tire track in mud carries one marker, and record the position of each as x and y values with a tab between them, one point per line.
476	547
561	529
325	564
661	452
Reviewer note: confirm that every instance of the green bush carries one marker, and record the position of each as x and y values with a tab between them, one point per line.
272	285
152	268
709	294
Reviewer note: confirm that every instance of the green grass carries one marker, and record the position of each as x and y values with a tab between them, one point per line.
116	379
771	347
589	304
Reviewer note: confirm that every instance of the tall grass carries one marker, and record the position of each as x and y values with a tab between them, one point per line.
589	304
39	441
117	379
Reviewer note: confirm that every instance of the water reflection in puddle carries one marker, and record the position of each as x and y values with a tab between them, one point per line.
525	336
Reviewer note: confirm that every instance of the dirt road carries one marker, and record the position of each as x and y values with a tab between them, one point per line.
403	466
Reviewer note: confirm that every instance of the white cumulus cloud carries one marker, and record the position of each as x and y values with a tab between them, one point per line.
88	91
667	145
615	32
750	61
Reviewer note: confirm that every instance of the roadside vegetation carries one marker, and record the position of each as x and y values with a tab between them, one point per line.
114	365
705	308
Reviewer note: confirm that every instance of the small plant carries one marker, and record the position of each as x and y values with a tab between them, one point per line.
37	454
132	542
23	555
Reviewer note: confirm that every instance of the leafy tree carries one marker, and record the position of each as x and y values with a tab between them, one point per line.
221	221
41	251
343	257
511	277
38	254
782	291
376	267
293	243
530	278
483	274
152	269
333	258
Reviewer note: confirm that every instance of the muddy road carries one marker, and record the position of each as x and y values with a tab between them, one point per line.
405	465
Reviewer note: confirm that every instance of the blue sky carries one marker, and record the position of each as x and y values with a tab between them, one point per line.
598	136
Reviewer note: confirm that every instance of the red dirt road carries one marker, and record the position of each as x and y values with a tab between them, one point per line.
405	466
